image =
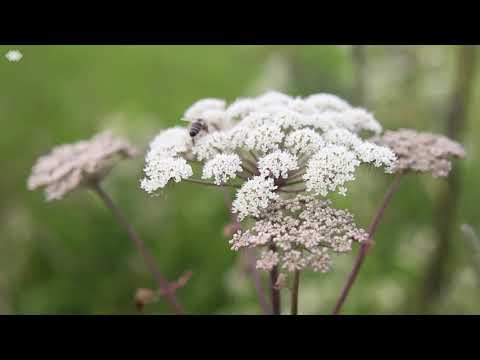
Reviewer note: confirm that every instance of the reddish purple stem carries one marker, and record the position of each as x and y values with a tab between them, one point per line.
257	281
275	291
366	245
163	283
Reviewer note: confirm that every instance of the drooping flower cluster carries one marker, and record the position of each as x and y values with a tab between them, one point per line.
268	145
421	151
68	166
300	233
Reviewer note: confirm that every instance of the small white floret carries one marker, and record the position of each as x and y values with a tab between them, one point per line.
277	164
255	195
359	119
342	137
377	155
240	109
170	142
159	171
222	168
264	138
197	110
304	141
330	169
210	145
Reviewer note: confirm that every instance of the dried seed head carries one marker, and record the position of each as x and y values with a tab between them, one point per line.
303	231
69	166
421	151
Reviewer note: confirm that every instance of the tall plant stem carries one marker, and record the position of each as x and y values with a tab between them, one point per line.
163	283
437	272
366	245
274	290
296	284
250	256
257	282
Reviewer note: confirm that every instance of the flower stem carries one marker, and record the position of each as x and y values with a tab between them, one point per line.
299	172
294	182
257	282
163	283
252	166
296	284
247	170
296	176
367	244
208	183
275	292
253	271
292	190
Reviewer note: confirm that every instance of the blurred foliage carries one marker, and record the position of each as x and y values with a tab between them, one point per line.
71	257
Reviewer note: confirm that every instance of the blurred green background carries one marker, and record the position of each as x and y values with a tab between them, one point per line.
71	257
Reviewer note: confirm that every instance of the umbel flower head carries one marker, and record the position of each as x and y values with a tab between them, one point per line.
300	233
266	146
421	151
69	166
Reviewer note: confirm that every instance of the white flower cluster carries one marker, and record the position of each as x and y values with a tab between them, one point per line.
277	164
305	141
163	161
255	195
330	169
210	110
333	166
169	143
160	171
272	143
222	167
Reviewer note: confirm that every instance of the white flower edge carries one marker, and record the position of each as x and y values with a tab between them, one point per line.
160	170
